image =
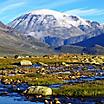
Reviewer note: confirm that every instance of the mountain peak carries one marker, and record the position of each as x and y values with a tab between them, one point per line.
46	12
56	14
61	16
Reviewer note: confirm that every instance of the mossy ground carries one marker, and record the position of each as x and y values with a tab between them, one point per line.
93	89
30	75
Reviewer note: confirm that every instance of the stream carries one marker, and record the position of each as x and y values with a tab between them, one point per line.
8	96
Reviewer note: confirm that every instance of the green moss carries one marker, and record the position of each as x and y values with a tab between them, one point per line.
78	90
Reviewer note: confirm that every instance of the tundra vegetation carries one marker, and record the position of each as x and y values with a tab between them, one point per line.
55	69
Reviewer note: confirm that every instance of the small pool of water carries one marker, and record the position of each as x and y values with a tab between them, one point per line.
55	85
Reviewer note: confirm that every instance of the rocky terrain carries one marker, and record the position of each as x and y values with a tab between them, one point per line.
75	76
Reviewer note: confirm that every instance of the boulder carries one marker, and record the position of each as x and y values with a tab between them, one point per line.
25	62
38	90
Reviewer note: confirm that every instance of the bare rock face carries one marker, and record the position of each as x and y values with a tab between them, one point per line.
38	90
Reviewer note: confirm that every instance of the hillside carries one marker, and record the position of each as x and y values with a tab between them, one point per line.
98	40
12	42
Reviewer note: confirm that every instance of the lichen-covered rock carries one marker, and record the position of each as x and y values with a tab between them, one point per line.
39	90
25	62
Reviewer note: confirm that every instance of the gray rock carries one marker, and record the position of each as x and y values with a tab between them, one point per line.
38	90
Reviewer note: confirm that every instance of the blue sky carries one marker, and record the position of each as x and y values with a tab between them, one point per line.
88	9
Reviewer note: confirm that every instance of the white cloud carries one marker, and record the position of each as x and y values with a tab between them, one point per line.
12	6
85	12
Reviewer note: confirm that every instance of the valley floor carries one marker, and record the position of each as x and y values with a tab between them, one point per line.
68	75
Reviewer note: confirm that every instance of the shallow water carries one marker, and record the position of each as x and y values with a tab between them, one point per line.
15	100
64	100
85	79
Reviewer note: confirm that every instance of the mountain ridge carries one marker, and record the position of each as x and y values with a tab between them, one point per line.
46	25
42	31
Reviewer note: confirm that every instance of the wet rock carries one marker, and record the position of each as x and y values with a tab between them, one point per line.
56	101
3	93
46	102
38	90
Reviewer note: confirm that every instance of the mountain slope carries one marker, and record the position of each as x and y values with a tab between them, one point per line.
70	49
98	40
12	42
93	45
55	28
96	50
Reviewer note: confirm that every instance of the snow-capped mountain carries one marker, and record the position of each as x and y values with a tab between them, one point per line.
56	28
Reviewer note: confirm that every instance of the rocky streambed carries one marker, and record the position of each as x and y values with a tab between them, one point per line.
70	83
14	95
